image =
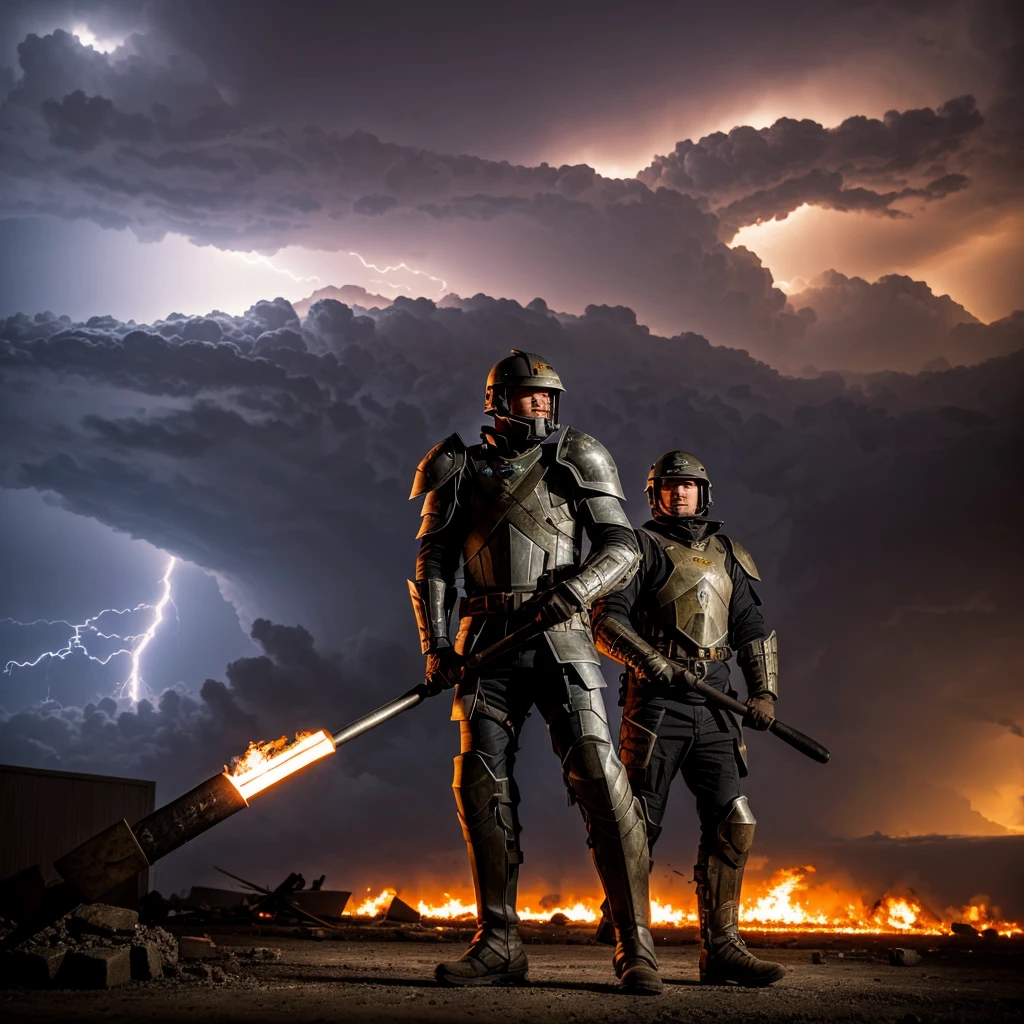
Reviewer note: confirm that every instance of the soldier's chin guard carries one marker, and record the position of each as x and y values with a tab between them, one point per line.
523	370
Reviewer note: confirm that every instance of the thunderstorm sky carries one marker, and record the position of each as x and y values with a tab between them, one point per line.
828	194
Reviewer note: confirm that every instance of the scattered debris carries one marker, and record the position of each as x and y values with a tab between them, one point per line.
900	957
962	928
399	910
95	967
102	919
95	947
197	947
261	953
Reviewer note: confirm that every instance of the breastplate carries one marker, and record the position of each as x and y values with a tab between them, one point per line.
694	600
516	531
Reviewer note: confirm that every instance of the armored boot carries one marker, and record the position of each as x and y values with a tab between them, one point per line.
495	956
724	956
618	842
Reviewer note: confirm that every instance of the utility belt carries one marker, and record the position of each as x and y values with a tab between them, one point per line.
495	603
687	654
499	602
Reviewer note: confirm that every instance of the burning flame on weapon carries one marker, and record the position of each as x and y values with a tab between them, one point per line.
265	763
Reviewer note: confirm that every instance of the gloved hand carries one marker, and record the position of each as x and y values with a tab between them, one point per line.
760	712
443	670
657	671
559	604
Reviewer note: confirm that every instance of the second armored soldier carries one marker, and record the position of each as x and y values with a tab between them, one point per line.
692	604
514	511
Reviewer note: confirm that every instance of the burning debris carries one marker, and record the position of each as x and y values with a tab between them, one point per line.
786	904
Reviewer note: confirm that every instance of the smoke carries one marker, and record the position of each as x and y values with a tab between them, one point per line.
145	139
278	454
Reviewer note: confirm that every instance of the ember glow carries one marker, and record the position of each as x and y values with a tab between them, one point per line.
263	764
785	903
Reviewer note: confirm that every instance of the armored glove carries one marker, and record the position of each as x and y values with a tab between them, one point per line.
443	671
559	604
760	711
657	671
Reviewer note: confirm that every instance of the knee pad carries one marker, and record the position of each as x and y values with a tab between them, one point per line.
483	800
597	780
736	831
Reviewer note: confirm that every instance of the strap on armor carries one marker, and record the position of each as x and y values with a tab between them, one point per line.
719	875
759	661
432	606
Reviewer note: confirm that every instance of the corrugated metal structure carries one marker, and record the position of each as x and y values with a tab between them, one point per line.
44	814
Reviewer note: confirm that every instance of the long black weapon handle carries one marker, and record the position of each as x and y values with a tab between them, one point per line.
796	739
515	639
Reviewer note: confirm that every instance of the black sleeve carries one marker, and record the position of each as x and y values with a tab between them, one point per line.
745	620
620	604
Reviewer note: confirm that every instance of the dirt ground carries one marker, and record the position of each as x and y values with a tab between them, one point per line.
332	981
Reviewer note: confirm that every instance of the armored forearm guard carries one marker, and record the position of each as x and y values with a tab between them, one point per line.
431	609
759	662
622	644
607	569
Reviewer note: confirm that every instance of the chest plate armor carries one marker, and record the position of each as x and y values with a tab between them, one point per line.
693	603
521	521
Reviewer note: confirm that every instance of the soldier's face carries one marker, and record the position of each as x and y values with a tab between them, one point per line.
680	497
530	402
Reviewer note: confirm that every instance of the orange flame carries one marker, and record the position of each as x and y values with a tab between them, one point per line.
374	906
786	904
263	764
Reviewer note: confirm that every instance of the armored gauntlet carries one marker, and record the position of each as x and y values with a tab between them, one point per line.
431	606
759	662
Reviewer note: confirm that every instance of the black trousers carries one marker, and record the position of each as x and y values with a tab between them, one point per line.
492	709
656	743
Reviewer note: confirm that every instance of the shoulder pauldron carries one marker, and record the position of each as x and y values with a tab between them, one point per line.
743	557
589	462
439	465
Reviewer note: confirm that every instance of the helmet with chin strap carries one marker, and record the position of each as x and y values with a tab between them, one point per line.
677	466
523	370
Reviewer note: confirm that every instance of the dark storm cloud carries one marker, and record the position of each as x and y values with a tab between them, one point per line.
146	140
749	175
287	474
894	322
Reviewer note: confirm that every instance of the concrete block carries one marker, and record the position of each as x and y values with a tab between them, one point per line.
102	919
95	968
147	961
30	968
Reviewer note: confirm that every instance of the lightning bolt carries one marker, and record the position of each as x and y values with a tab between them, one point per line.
253	259
76	642
402	266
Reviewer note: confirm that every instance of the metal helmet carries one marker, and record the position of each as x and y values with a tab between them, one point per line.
678	466
523	370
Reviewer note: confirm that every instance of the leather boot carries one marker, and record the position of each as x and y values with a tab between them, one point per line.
618	842
496	956
724	956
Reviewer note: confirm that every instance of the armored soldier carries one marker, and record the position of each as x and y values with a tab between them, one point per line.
692	604
514	511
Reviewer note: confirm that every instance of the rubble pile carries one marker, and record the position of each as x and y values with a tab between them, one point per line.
99	947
